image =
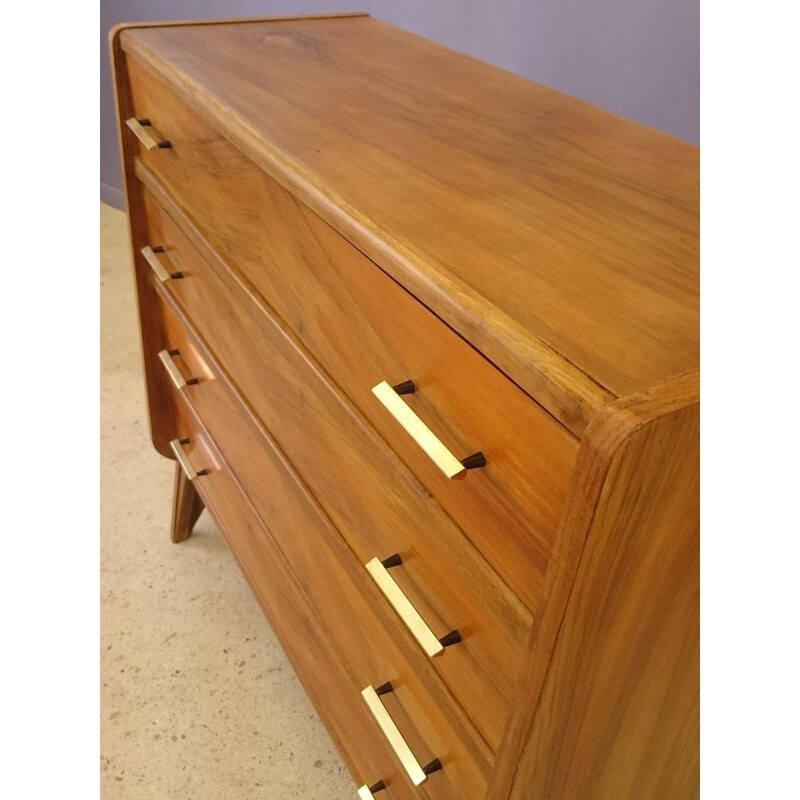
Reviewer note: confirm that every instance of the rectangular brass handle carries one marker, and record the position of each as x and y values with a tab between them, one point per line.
421	433
183	459
368	792
151	257
416	773
430	643
140	130
172	369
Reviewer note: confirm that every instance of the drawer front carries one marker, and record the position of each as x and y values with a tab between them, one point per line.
364	329
298	535
370	497
328	682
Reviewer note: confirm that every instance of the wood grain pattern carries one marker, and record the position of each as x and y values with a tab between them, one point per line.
446	579
158	402
665	482
115	31
187	505
363	328
330	578
529	221
351	204
619	716
605	436
320	668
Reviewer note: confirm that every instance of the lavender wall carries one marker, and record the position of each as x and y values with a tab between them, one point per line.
637	58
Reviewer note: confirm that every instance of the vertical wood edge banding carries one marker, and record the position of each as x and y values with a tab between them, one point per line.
158	399
604	440
618	716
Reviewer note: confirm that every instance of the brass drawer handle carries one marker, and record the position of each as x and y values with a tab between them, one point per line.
416	773
173	371
368	792
152	259
430	643
421	433
139	128
183	459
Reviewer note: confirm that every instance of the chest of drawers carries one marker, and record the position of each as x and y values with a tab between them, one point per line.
423	338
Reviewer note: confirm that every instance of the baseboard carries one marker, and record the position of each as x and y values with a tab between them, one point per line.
112	195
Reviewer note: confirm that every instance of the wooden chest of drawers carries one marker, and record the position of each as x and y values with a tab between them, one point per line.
423	338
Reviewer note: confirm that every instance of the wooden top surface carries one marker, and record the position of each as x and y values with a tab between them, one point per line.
562	240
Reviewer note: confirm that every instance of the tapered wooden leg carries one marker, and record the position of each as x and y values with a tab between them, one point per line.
186	507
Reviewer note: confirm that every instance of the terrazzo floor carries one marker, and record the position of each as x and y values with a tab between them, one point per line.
198	701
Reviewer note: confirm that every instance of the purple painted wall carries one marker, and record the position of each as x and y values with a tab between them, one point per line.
637	58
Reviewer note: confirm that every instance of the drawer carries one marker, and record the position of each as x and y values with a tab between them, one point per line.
294	621
368	495
298	540
363	328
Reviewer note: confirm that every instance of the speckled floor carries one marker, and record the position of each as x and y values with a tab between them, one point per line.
198	700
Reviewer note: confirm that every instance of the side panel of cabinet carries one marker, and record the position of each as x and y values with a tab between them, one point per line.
158	400
618	716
